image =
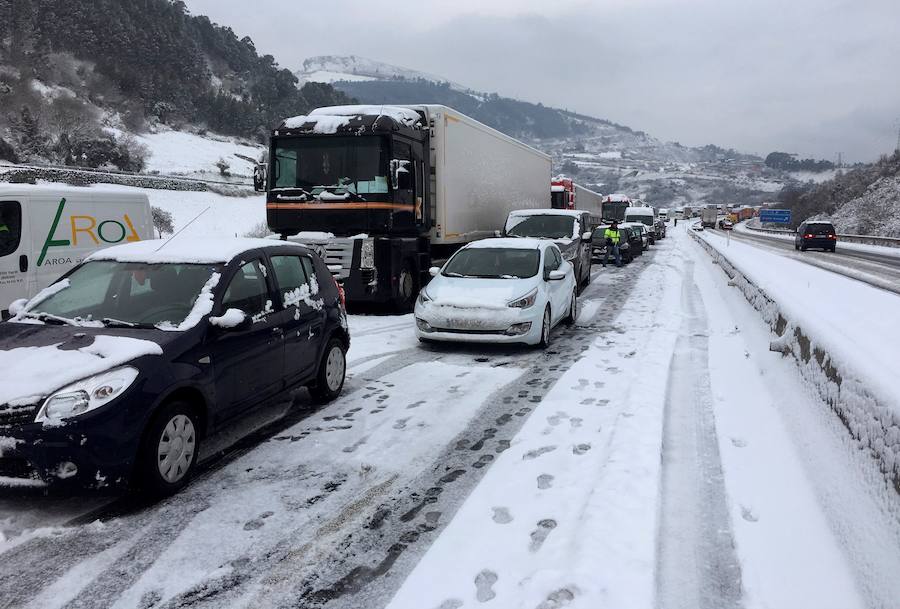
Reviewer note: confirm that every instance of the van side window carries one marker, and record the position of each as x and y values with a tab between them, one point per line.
10	227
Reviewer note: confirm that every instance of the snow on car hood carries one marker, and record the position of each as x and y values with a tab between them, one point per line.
35	360
472	293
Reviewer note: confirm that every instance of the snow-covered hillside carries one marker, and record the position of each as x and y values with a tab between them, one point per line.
180	152
877	212
332	68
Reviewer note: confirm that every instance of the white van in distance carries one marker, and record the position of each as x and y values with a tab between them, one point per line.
644	215
46	230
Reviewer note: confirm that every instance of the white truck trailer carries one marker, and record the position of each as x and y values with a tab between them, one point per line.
591	202
382	191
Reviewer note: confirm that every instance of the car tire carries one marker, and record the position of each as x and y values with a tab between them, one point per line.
168	454
802	248
545	329
833	248
796	247
573	309
332	372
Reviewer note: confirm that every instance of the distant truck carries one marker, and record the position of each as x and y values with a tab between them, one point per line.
562	193
708	216
46	230
614	206
382	192
591	202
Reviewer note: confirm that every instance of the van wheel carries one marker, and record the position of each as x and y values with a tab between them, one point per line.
168	454
332	372
545	329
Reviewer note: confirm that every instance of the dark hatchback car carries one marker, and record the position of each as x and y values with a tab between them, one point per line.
118	372
629	243
819	235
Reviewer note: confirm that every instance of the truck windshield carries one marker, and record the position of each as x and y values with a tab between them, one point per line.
349	164
541	226
493	263
559	199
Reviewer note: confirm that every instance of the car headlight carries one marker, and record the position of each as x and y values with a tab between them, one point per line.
525	301
424	296
367	254
86	395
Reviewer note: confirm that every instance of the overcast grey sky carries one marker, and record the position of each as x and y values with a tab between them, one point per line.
814	77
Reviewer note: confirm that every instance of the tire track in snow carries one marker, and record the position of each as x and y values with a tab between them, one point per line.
697	567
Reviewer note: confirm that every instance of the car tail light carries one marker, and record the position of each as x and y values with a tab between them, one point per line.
808	236
832	237
341	293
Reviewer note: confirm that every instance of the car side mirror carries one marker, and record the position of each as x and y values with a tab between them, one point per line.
498	233
17	306
556	275
434	271
587	236
232	319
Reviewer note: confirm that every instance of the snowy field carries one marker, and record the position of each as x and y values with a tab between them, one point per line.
657	455
179	152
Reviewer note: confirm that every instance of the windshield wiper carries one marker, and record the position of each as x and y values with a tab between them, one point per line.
452	274
109	322
51	319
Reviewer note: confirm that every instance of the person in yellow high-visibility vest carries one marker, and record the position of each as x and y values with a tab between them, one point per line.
611	235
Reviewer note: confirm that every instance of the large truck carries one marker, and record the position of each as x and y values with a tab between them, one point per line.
562	193
382	192
708	216
591	202
614	206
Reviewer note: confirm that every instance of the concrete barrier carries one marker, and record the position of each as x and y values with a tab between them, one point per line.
872	424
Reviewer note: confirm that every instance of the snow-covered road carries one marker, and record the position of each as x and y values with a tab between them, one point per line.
657	455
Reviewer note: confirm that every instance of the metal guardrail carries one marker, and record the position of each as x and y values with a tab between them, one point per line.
5	166
863	239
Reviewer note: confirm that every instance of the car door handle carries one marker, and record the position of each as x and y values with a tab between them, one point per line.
23	263
278	330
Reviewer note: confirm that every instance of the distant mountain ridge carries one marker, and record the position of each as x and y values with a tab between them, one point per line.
330	68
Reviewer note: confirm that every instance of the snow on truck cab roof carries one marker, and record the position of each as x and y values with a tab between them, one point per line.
185	250
575	213
330	119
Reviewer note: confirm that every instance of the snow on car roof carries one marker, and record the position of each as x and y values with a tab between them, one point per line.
519	244
186	250
641	211
547	212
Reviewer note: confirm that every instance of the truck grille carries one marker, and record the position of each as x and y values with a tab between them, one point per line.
338	257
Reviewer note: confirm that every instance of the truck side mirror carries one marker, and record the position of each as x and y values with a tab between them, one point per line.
260	173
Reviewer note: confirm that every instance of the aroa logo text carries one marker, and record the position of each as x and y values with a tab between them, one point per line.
87	227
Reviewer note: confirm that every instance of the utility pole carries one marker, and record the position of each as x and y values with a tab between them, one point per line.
897	149
840	162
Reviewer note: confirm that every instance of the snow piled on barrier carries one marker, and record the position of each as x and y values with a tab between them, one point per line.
856	386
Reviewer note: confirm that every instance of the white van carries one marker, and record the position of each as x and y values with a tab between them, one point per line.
644	215
46	230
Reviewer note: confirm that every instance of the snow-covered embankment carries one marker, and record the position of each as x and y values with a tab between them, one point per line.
842	335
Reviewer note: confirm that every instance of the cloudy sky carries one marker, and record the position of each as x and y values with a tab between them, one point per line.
816	77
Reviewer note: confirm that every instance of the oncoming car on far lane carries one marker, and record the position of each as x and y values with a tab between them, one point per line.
498	291
119	371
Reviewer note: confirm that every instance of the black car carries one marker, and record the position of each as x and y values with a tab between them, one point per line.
816	235
629	244
119	371
570	230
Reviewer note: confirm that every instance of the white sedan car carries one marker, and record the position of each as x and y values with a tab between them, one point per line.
498	291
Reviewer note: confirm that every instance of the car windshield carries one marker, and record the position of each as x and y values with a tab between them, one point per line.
126	294
541	226
495	263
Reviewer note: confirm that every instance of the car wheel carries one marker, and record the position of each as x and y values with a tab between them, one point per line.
169	451
833	248
796	247
802	248
573	309
545	329
332	372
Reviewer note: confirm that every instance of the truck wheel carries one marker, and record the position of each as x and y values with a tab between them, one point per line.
406	289
168	454
332	372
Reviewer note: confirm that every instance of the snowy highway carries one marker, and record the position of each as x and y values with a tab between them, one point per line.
877	266
658	454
